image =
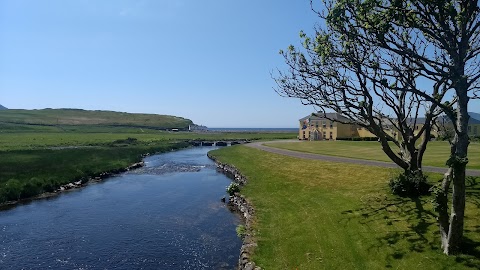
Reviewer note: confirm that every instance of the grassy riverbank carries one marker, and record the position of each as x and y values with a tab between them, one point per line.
321	215
34	162
436	155
27	173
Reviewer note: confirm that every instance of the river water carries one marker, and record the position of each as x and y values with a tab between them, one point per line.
166	215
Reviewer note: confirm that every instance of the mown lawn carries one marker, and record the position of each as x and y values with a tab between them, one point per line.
321	215
436	155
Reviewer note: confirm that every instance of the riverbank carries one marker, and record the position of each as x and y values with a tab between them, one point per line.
34	163
313	214
241	205
46	173
164	215
85	181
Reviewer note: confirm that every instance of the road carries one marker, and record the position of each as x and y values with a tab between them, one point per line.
259	145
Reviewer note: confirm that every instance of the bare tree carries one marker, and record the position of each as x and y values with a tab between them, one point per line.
411	53
357	81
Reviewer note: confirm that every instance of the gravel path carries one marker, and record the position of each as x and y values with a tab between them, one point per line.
259	145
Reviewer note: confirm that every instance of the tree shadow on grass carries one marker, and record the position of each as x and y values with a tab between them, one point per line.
470	247
406	225
403	224
473	190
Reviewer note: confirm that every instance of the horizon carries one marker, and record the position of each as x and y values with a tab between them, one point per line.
209	127
207	61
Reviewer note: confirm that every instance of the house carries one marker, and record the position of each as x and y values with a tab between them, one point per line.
473	129
318	126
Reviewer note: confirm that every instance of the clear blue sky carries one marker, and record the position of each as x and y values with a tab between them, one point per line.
209	61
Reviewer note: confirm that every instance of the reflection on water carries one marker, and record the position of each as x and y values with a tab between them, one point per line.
167	215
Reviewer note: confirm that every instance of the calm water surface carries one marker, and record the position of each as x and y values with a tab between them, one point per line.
167	215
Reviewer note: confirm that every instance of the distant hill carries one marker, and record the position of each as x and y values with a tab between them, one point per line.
3	108
78	117
474	115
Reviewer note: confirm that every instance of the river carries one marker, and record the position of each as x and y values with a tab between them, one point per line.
166	215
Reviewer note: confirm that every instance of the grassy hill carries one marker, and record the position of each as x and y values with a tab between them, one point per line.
474	115
12	119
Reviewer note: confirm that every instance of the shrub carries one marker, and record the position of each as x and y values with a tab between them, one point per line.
32	187
475	138
409	185
127	141
232	188
12	190
241	231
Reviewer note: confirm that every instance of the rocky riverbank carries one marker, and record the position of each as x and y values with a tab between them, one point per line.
74	185
240	204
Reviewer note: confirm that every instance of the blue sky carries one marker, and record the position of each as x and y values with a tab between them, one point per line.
209	61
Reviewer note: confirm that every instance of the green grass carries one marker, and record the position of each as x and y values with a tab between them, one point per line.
34	162
33	140
26	173
321	215
85	117
436	155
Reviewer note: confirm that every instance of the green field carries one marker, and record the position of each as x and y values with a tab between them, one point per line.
77	117
41	150
36	159
436	155
34	140
320	215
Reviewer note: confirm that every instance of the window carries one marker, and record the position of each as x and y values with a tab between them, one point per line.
416	127
316	124
324	135
475	130
324	124
469	128
331	124
331	135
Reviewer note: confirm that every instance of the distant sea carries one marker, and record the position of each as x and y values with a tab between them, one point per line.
254	129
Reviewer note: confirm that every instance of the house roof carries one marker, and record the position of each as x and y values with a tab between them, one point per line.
322	116
471	121
339	117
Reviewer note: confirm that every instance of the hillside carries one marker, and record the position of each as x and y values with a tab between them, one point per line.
2	107
474	115
78	117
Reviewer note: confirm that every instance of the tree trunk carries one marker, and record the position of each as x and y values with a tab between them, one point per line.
457	163
442	209
457	214
455	232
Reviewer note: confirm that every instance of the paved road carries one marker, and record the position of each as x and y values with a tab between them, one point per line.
259	145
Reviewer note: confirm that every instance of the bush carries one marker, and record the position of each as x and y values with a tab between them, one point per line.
11	190
475	138
32	188
241	231
127	141
409	185
232	188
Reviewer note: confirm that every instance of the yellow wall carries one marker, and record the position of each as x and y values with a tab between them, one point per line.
474	130
340	130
